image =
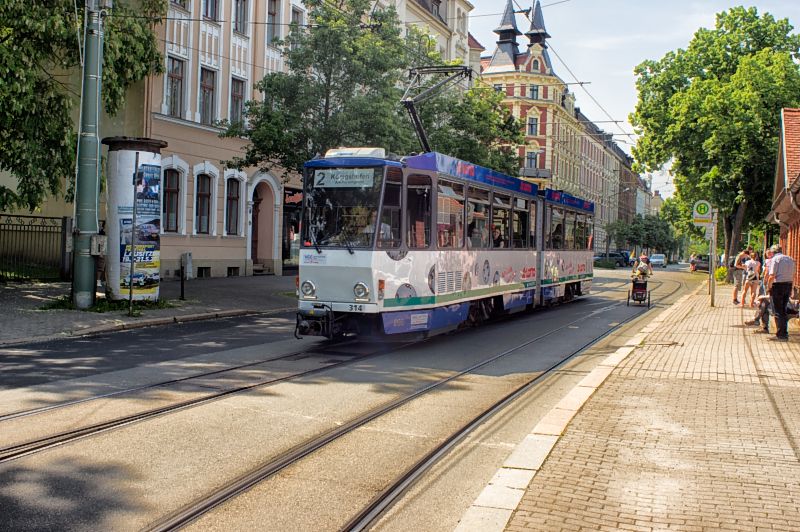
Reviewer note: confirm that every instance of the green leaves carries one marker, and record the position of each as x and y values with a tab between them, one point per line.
343	88
713	111
40	86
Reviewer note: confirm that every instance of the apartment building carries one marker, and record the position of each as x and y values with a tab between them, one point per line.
563	149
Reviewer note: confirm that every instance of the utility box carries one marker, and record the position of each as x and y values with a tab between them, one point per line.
99	245
186	264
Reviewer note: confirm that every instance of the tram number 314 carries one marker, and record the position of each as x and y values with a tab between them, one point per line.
356	308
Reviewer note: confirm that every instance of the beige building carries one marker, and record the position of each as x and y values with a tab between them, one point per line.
563	149
447	21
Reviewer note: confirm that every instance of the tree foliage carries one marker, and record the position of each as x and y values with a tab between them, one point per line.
713	110
39	59
647	232
343	88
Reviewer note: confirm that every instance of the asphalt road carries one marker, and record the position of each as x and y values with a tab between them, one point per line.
130	477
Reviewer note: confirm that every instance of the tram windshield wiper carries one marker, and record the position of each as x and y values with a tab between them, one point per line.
348	244
314	241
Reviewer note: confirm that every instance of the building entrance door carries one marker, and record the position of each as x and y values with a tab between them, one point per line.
254	231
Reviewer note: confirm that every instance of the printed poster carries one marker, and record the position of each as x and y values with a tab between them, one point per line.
147	252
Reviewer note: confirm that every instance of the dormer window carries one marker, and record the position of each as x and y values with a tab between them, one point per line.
435	7
536	65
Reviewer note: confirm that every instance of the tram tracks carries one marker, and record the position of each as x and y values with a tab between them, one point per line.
394	491
15	451
293	456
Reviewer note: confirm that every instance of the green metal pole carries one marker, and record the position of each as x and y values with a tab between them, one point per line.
88	179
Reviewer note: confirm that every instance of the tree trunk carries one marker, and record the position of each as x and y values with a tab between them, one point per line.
733	224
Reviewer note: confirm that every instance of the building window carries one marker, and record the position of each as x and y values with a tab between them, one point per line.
531	159
272	22
171	198
237	100
203	205
210	9
232	206
240	16
207	95
533	92
536	65
498	87
174	87
179	3
297	22
435	6
533	125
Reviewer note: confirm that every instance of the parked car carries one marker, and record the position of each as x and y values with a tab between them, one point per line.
618	258
658	259
701	263
627	253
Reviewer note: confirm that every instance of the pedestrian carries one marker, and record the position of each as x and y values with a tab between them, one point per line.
752	277
738	272
692	260
781	271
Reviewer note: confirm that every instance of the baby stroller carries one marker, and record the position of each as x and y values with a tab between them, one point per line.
639	292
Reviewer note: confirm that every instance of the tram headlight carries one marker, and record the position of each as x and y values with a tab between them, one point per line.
308	289
361	291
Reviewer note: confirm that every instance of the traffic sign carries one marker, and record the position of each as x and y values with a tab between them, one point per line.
702	213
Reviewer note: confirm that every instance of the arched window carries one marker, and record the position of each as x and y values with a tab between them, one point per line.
203	205
536	65
232	197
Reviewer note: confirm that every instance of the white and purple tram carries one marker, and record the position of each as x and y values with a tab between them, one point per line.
423	244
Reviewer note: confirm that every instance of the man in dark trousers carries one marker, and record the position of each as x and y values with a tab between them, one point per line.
781	272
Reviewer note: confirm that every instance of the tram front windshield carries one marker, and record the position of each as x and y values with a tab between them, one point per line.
341	206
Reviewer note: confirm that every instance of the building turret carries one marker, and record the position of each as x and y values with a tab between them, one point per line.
507	48
538	33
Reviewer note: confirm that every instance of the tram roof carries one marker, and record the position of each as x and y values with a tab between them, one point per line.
437	162
444	164
562	198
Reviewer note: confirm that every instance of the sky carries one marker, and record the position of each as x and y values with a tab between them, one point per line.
600	43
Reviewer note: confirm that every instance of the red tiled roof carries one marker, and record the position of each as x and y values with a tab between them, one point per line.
791	143
474	44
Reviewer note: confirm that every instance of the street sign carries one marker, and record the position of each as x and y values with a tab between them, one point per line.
709	231
702	215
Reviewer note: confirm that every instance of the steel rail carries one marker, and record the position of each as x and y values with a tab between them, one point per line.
48	408
16	451
386	499
238	486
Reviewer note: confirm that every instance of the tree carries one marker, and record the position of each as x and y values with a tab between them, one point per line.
343	88
713	110
39	59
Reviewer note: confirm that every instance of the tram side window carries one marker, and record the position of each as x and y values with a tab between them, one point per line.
478	232
520	224
390	229
589	233
580	232
450	215
569	230
533	225
418	211
501	220
555	235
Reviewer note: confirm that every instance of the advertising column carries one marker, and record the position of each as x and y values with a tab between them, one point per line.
128	184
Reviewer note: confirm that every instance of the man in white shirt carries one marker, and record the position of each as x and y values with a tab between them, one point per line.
781	272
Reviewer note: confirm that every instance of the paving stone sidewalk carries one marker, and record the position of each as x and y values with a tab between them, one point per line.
697	429
22	321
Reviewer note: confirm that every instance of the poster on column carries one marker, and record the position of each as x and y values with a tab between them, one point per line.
146	251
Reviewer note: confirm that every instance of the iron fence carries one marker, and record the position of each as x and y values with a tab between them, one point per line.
33	247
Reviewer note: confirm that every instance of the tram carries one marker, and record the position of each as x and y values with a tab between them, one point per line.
399	247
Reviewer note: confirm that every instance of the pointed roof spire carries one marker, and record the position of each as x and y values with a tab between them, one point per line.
537	33
509	22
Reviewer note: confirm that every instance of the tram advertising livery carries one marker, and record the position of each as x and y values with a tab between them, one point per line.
419	245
